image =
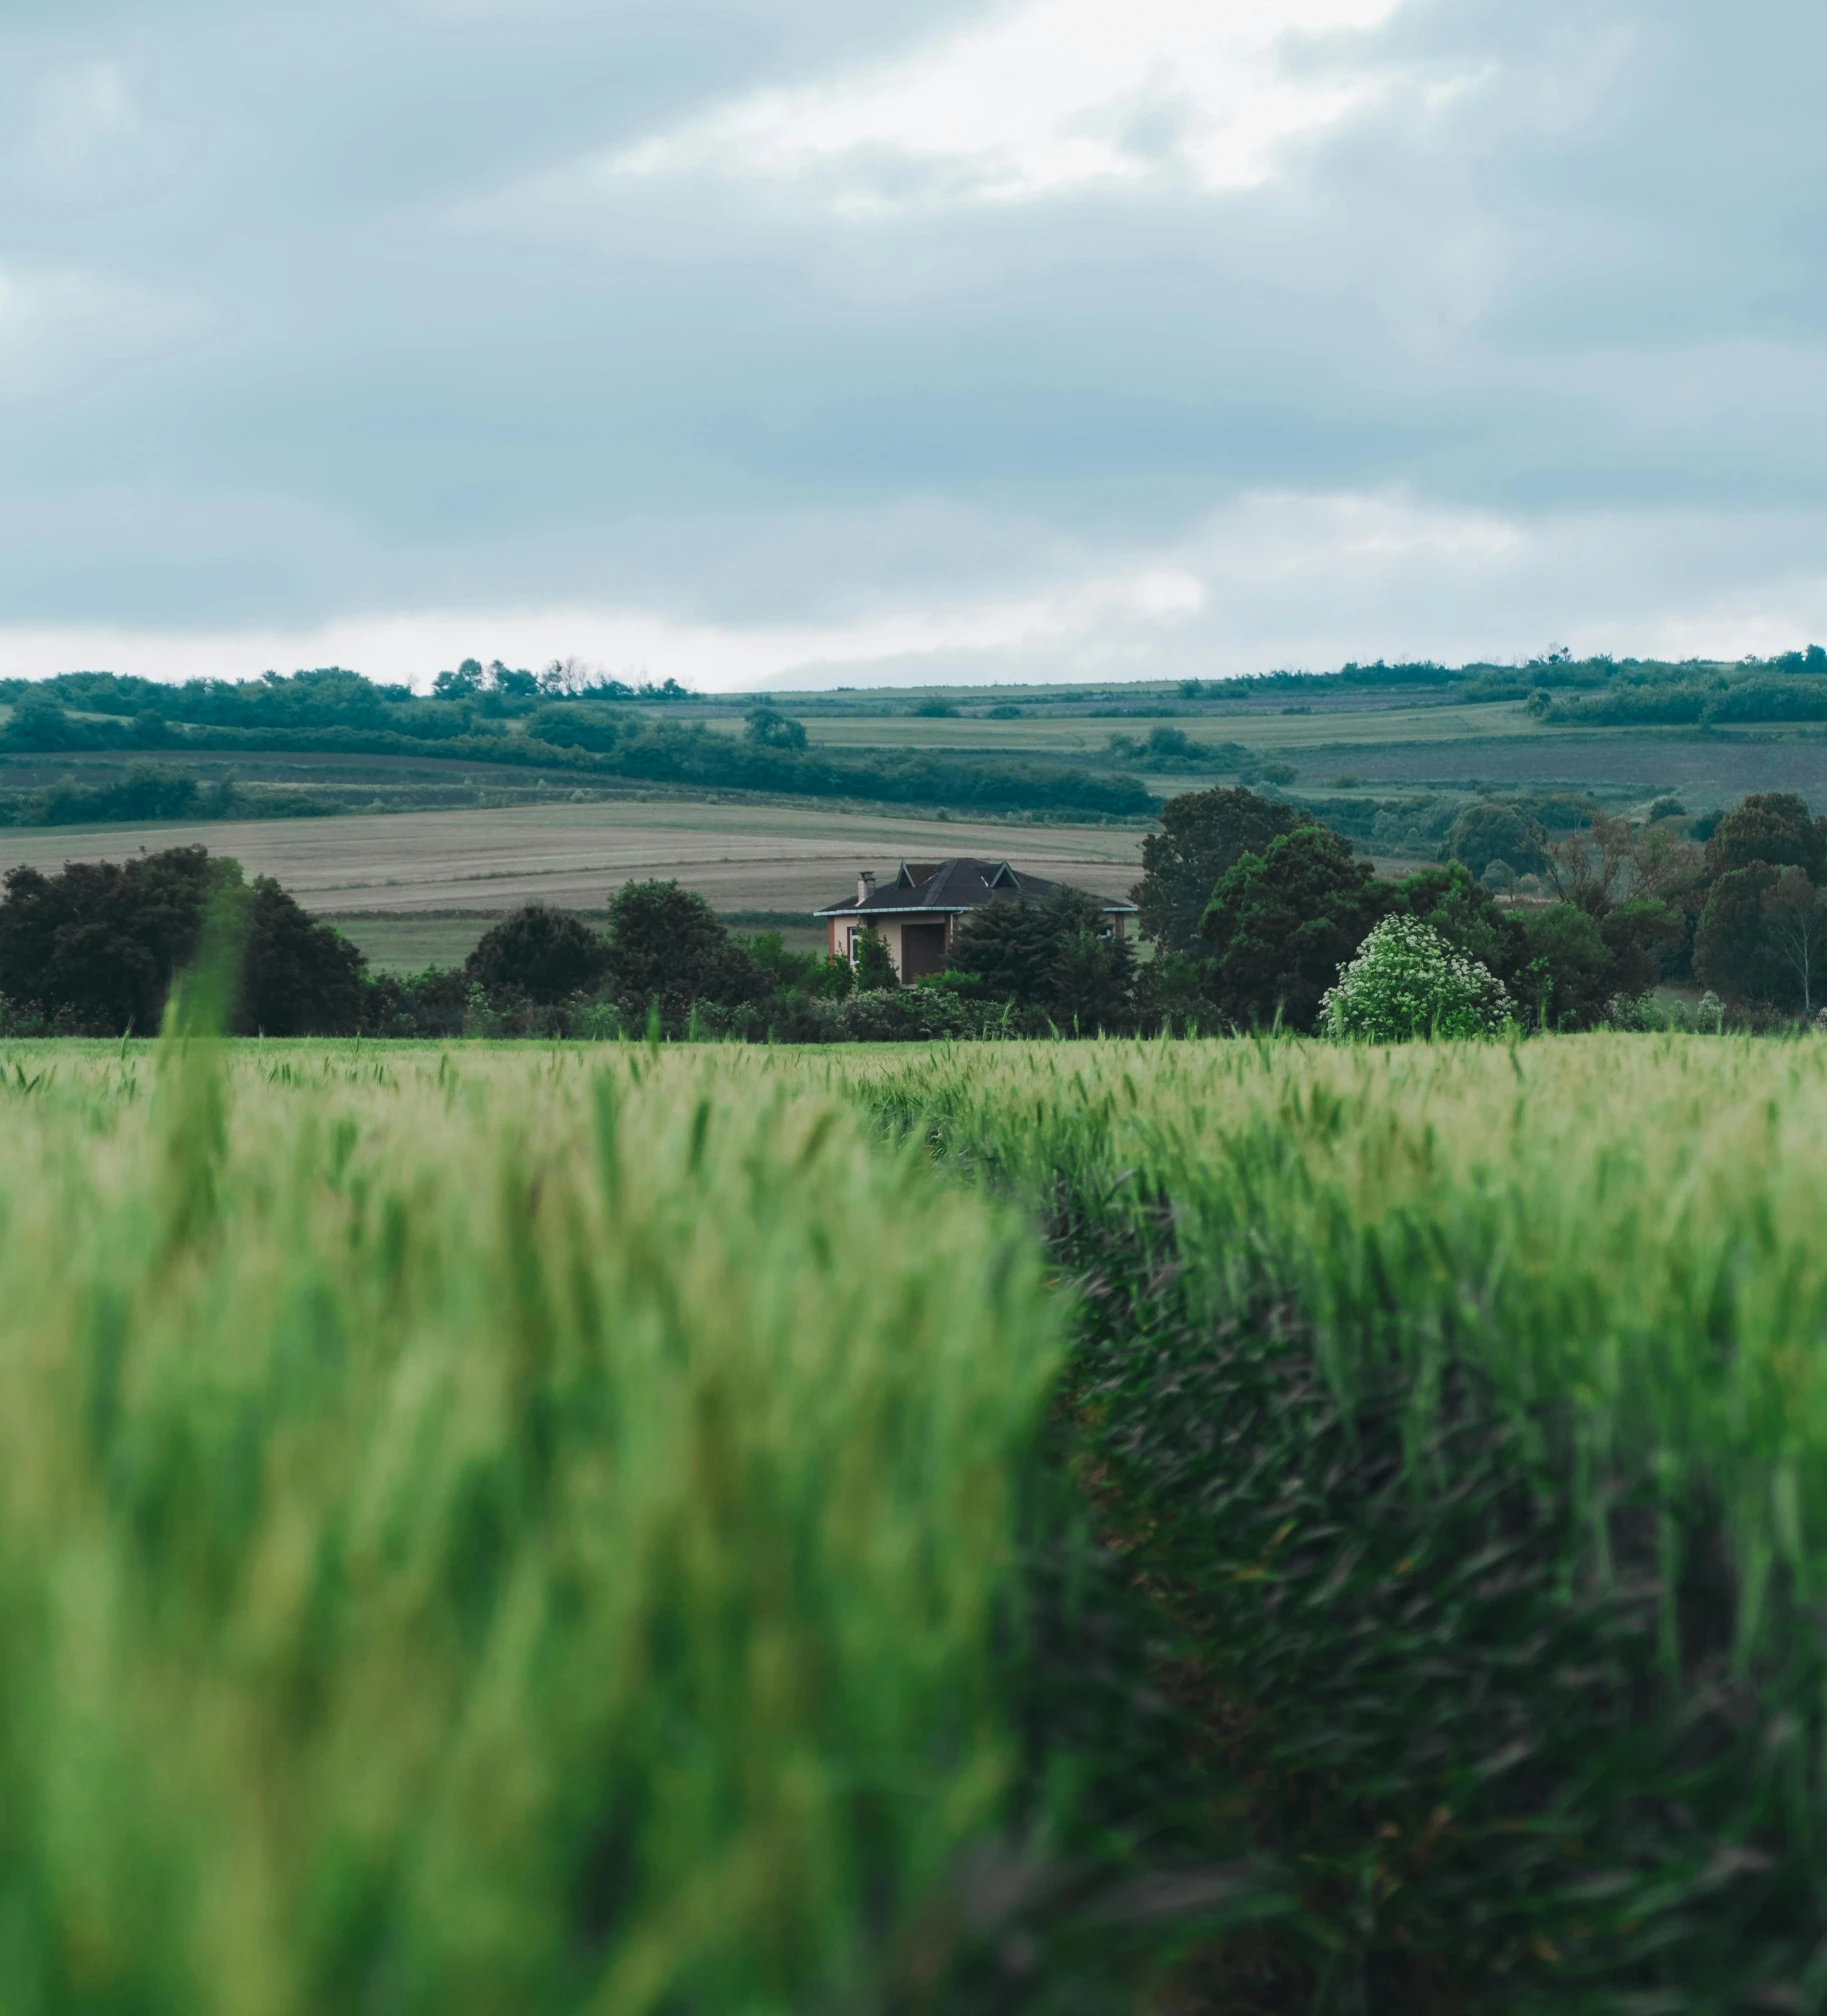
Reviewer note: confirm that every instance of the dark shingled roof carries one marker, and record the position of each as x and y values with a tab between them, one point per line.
951	886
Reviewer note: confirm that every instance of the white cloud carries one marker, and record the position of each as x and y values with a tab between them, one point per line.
1050	96
1275	579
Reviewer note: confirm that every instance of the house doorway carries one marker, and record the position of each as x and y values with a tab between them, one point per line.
922	950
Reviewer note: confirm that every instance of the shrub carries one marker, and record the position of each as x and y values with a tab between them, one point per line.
1407	981
1058	958
667	945
1282	923
1486	832
546	954
769	728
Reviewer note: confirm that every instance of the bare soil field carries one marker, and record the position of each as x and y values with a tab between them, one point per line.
740	857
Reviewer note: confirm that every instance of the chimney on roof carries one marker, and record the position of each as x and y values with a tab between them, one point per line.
865	885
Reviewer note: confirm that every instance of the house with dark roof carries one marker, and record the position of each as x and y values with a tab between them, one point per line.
918	912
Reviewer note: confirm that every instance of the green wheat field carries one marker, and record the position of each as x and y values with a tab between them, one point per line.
1230	1526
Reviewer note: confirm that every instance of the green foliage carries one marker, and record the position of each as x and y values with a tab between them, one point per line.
100	942
1203	834
38	721
1732	953
1567	976
1485	832
667	947
577	727
1795	936
1058	957
96	947
1464	913
299	977
1401	1380
474	1539
874	964
1773	827
478	714
1280	925
1407	981
808	973
542	953
768	728
934	710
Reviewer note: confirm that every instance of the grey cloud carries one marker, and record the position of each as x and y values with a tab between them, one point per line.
363	339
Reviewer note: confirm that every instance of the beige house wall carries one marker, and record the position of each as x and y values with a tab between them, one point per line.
889	929
842	929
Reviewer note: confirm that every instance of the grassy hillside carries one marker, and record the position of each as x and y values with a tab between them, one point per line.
1406	742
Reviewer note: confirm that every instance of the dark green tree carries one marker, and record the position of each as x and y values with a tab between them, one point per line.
1568	975
1618	876
1795	936
1203	833
768	728
1447	899
545	954
667	945
1732	950
572	724
299	977
99	942
1772	827
875	972
1058	958
99	945
1281	923
462	684
1485	832
38	721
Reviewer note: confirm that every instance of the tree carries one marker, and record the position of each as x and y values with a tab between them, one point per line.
1773	827
298	977
667	945
1733	952
1407	981
1281	923
1092	981
462	684
768	728
547	955
1058	957
1611	872
875	972
574	724
1449	901
38	721
1203	833
1566	979
1795	931
99	942
1487	832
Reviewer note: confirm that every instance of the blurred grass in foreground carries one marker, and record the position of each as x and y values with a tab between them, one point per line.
488	1531
1465	1409
1629	1226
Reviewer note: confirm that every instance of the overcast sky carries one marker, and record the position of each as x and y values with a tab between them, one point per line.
801	341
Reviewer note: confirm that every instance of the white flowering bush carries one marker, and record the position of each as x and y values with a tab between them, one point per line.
1407	981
